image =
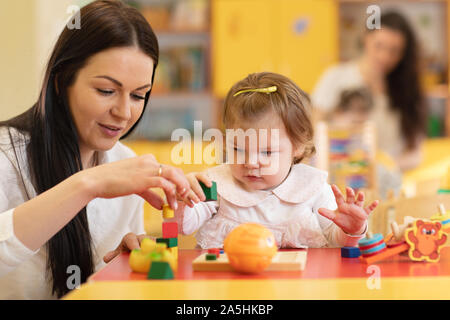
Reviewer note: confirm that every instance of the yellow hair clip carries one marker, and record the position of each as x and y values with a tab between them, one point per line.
262	90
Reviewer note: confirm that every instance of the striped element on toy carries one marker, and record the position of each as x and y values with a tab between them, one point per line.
372	246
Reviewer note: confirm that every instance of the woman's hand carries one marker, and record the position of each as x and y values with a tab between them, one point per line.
196	194
129	242
350	216
136	176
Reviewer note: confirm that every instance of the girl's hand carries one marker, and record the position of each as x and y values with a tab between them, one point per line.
136	176
129	242
196	194
350	216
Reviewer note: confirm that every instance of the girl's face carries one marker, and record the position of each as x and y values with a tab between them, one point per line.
268	163
384	48
107	97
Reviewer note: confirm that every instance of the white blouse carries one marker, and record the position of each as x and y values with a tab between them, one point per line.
23	271
290	211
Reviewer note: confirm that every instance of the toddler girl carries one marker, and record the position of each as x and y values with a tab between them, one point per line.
272	186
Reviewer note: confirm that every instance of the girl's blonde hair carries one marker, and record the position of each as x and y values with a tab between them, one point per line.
289	102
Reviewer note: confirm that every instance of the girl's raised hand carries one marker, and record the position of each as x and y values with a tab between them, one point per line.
350	216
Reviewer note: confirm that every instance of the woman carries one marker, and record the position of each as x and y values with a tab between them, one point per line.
69	194
389	69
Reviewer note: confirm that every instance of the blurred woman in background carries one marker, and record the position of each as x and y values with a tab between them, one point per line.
389	68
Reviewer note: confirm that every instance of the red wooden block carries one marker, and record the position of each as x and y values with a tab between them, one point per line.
215	251
170	230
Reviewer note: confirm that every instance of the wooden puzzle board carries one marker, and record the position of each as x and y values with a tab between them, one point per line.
283	261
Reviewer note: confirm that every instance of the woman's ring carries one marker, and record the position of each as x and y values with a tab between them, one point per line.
160	171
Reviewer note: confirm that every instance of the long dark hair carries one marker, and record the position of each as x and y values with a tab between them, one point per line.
53	149
404	89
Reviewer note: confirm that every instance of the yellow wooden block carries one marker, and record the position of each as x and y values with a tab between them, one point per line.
168	257
167	212
139	262
148	245
174	252
160	247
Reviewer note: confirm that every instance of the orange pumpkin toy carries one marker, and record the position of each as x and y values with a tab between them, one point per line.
250	248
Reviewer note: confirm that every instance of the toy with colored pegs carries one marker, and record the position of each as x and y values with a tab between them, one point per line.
445	188
443	217
374	249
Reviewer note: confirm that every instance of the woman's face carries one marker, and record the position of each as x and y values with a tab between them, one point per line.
384	48
107	97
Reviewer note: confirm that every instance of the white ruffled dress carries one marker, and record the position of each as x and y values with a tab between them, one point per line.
290	211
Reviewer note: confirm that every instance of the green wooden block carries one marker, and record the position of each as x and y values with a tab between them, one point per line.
440	191
211	257
210	193
155	256
170	242
160	270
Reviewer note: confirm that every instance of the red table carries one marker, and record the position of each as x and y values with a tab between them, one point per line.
321	263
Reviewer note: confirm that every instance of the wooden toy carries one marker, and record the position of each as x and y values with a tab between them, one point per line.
160	246
155	256
170	242
210	257
372	245
348	154
426	240
170	230
174	252
139	262
210	193
160	270
250	248
168	257
163	250
148	245
168	213
282	261
443	217
445	188
374	249
350	252
214	251
398	231
390	252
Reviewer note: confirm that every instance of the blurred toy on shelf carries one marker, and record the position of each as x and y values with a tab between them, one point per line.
445	187
348	154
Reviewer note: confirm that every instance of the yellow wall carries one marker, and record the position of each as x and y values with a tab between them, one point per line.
18	85
28	31
266	35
